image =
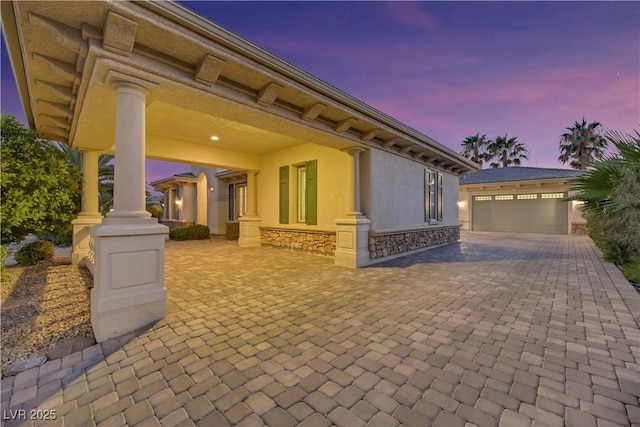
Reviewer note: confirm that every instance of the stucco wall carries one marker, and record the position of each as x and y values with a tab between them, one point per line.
189	203
332	176
393	193
464	210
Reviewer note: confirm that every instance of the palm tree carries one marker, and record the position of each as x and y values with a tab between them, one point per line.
610	191
582	144
506	152
105	173
475	148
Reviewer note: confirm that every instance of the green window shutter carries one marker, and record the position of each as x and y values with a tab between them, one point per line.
284	195
312	192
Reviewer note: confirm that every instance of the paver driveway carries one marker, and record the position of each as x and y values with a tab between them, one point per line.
498	329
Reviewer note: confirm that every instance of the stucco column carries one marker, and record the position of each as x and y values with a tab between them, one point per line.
90	183
165	212
89	214
128	247
251	194
129	184
353	181
250	223
352	230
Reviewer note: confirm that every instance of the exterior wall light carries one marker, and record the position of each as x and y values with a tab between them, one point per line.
214	138
460	203
178	202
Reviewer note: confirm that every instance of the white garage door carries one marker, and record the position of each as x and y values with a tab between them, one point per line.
521	213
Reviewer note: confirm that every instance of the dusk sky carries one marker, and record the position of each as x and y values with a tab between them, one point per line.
451	69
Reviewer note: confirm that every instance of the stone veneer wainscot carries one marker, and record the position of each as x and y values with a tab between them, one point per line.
319	242
396	242
176	223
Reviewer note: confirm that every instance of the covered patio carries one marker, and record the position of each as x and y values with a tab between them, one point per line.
148	80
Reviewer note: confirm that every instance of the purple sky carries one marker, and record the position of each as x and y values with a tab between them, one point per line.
452	69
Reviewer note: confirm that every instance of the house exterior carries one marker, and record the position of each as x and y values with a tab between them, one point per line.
155	80
520	199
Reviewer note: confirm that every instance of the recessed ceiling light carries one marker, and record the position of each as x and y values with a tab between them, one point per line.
214	138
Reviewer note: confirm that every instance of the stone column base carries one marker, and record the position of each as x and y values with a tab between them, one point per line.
249	231
352	239
128	291
82	237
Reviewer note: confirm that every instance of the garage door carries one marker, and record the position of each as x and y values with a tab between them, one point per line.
521	213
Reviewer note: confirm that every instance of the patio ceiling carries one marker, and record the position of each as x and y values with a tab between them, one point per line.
203	80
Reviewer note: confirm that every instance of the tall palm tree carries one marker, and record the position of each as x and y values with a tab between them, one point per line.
475	148
507	151
582	144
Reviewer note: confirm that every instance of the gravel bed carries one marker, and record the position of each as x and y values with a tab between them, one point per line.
43	305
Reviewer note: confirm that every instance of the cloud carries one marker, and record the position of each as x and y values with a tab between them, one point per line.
410	13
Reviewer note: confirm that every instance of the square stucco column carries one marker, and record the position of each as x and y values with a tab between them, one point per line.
352	230
250	223
89	216
128	247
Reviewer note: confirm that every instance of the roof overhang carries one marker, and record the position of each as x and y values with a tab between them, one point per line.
172	182
207	82
524	185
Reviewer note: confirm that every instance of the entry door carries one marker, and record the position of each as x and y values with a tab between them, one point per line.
521	213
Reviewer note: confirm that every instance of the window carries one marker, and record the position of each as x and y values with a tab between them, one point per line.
527	196
504	197
305	193
237	201
482	198
434	205
553	195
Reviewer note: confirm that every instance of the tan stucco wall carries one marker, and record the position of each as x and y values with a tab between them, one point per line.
332	178
393	193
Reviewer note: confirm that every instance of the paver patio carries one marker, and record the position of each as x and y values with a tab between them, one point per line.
500	329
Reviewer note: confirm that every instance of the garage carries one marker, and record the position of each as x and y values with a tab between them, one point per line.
521	213
520	200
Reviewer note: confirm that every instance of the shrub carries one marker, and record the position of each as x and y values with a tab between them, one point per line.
156	211
35	252
65	239
195	232
632	271
3	254
233	231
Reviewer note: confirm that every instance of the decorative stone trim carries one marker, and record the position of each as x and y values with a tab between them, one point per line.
579	228
318	242
396	242
175	223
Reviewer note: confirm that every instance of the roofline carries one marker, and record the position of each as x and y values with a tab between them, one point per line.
201	25
560	180
174	179
12	42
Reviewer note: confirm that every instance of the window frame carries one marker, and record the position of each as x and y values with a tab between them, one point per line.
433	196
